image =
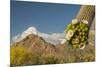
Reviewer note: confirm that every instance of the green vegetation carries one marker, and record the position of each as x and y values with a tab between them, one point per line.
20	55
24	56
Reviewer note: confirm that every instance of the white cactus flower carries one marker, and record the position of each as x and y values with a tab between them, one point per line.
84	21
74	21
82	46
69	34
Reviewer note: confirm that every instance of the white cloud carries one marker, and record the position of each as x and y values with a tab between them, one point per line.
30	30
54	38
15	38
19	37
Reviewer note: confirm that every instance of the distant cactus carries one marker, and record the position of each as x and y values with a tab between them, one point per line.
77	31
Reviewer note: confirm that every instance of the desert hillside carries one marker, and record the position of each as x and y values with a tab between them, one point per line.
35	50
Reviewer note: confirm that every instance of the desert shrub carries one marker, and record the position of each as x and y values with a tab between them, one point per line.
17	55
76	55
49	59
22	56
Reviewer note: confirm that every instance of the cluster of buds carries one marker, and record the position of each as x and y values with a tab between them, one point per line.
77	33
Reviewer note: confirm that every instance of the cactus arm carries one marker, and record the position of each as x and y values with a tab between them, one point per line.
86	13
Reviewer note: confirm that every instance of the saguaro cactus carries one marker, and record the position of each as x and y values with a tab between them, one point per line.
77	31
86	13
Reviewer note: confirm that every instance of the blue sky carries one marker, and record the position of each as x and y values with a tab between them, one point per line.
46	17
